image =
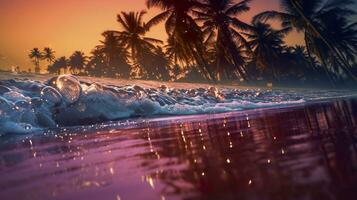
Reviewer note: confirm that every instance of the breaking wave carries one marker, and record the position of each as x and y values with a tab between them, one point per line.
27	105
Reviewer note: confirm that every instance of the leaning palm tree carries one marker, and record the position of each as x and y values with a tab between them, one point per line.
305	16
267	45
220	23
133	36
343	33
77	61
182	28
36	55
48	55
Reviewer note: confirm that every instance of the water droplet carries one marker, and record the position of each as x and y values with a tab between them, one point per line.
69	87
51	96
28	127
282	151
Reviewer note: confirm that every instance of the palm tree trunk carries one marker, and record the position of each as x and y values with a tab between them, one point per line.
308	46
233	49
308	51
325	69
37	66
275	72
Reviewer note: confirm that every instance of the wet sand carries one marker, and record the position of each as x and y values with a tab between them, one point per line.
303	152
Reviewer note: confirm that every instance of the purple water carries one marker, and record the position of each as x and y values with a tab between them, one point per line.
302	152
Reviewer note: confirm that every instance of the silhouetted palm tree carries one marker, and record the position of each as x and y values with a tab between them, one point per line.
158	66
77	62
221	24
36	55
293	65
305	16
267	45
177	55
114	56
301	58
133	36
58	64
48	55
344	35
182	28
97	65
52	69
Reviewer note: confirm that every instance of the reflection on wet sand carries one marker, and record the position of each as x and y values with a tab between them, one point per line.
289	153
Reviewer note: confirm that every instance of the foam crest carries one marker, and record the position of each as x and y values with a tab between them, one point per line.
28	105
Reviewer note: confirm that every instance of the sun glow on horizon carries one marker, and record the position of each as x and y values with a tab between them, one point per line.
70	25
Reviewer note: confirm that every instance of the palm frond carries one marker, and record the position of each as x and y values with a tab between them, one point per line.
240	25
157	19
164	4
153	40
122	22
268	15
285	31
238	8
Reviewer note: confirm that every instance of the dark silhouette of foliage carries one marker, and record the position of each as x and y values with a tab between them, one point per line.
77	62
36	55
308	17
207	40
110	58
58	64
267	45
182	29
48	55
133	38
220	24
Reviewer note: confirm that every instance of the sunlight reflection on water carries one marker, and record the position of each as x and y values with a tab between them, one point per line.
307	152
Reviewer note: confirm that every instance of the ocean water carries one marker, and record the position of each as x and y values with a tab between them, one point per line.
28	106
304	151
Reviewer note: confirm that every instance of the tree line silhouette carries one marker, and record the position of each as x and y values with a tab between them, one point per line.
207	40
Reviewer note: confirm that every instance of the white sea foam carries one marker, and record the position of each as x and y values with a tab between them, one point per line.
65	101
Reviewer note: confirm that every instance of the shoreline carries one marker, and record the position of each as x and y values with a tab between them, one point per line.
156	83
30	105
167	120
123	82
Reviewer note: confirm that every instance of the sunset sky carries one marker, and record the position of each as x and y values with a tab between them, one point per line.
69	25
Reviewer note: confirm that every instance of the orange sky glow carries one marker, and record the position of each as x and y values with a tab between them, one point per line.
70	25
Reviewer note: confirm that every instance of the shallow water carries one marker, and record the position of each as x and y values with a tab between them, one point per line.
302	152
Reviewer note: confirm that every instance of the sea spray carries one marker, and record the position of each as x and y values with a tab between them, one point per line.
27	105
